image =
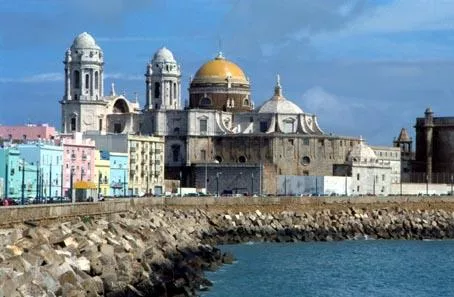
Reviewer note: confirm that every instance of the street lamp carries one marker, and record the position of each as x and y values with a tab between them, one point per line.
181	177
252	184
99	183
427	184
217	182
452	180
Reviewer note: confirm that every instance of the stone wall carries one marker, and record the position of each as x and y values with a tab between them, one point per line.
163	252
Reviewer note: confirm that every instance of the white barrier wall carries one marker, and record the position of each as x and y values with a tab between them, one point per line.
310	185
420	189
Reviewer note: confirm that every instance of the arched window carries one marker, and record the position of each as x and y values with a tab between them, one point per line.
87	81
96	80
157	90
76	75
174	91
175	152
245	102
73	124
205	101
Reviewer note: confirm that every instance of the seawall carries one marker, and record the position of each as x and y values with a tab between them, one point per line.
17	214
163	251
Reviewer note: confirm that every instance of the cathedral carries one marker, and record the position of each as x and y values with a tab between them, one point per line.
218	133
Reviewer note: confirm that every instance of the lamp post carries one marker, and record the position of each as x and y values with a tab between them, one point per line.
6	178
452	180
61	184
50	180
346	191
99	183
181	176
37	182
124	183
71	177
23	183
217	183
206	177
427	185
252	184
375	177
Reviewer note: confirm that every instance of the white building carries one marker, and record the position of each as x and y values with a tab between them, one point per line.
390	156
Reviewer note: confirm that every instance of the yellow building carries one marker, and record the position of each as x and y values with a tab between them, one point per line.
102	172
146	165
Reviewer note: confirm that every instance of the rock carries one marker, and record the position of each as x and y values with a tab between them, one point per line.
83	264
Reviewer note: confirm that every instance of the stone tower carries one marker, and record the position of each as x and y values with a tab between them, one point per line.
163	82
429	125
82	104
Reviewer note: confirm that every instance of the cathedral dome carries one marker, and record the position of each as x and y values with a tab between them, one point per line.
220	69
279	104
84	40
163	55
361	152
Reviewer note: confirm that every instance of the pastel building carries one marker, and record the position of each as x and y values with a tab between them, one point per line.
79	164
27	132
48	158
16	172
102	172
119	174
146	159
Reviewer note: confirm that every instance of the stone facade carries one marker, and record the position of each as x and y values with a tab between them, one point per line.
434	148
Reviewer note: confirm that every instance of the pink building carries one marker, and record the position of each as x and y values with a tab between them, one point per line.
78	157
27	132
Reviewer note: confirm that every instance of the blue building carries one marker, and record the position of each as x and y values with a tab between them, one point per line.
19	177
119	163
48	157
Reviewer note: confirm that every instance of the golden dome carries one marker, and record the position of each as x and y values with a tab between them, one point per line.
220	68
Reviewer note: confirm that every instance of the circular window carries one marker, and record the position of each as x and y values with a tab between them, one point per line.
305	160
218	159
242	159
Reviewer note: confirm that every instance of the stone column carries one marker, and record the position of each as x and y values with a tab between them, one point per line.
67	84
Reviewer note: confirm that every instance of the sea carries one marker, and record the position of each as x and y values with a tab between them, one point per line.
346	268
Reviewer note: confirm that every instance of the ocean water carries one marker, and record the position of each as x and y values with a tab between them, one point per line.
347	268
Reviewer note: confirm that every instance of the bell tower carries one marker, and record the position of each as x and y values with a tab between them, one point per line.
163	82
84	88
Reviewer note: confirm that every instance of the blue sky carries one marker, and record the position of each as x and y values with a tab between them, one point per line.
363	67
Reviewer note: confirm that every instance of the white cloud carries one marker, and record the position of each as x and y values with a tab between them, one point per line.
56	77
37	78
123	76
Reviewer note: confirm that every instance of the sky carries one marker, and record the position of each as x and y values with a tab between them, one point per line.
365	68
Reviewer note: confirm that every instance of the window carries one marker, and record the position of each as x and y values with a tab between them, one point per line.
87	81
290	141
263	126
100	124
24	137
306	141
176	130
174	91
205	101
383	177
357	176
357	188
73	124
96	80
76	75
203	126
117	128
288	126
245	102
175	152
305	160
157	89
203	154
